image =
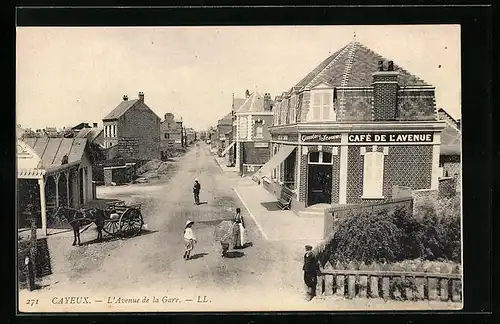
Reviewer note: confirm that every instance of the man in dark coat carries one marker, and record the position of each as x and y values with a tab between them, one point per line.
311	270
196	191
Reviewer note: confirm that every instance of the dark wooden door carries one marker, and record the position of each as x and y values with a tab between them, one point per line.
319	184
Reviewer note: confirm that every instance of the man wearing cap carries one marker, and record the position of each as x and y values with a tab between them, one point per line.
311	270
196	191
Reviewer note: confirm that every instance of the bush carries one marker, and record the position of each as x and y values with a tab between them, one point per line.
433	234
366	237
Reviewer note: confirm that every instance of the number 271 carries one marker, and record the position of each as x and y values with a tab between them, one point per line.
32	302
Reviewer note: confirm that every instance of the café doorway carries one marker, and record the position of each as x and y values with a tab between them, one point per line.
319	182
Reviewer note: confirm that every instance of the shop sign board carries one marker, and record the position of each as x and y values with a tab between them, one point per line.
391	138
320	138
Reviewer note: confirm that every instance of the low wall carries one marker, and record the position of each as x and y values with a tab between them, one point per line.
335	213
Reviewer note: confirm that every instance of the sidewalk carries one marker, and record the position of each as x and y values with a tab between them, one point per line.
276	224
222	162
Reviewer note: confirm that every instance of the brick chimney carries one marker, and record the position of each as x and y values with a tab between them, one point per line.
141	96
268	102
125	97
385	92
94	125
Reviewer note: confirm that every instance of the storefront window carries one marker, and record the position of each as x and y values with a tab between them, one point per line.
289	171
314	157
320	158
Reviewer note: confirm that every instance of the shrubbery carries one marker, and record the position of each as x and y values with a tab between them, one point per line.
393	236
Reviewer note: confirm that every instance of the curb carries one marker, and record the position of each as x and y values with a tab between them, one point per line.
251	215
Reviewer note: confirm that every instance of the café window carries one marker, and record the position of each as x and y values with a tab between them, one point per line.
373	175
289	170
320	158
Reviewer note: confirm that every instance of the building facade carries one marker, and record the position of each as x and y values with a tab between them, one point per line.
53	172
172	134
350	130
132	129
251	137
450	162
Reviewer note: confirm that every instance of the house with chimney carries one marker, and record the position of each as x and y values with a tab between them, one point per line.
353	128
251	138
132	130
172	134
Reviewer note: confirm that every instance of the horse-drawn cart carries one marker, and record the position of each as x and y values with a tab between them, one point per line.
114	218
123	220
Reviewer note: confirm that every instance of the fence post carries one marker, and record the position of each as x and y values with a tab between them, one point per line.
432	284
456	286
340	280
329	282
30	263
374	281
363	281
420	283
386	284
444	291
351	281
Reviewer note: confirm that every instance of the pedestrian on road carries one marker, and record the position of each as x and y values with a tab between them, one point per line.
239	230
311	270
189	239
196	191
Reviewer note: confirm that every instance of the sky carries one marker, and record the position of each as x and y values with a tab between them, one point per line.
73	74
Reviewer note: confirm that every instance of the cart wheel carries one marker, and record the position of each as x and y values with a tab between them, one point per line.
131	222
112	226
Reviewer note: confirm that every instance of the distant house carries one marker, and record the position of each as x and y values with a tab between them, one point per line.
252	138
171	134
132	131
190	136
93	134
449	159
53	172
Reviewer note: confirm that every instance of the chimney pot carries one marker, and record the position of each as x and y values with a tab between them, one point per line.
95	125
141	95
125	97
390	66
381	65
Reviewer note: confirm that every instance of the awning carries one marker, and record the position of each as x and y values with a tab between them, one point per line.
279	157
227	149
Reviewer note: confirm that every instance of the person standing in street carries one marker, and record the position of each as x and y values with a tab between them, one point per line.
196	191
311	270
189	239
239	230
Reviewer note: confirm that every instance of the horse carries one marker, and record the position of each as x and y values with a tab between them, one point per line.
80	217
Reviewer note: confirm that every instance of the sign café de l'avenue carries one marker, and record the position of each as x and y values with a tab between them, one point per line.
362	138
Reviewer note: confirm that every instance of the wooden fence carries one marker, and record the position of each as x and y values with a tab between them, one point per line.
348	282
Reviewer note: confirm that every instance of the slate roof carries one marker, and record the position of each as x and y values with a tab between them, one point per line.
254	103
228	119
352	66
52	150
90	133
121	109
237	102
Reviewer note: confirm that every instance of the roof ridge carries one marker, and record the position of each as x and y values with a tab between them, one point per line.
348	66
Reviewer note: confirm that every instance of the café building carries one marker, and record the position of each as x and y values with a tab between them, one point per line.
352	129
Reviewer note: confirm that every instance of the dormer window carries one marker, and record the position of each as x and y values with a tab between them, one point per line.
321	107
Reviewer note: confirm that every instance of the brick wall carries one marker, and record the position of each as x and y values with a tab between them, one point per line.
416	105
447	187
139	129
357	105
385	96
255	155
409	166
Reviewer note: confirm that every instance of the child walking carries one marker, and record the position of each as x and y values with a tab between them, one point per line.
189	239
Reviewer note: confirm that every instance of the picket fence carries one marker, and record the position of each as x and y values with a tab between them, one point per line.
348	282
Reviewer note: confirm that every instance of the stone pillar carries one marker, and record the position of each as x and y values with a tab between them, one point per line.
343	168
41	184
436	150
66	173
